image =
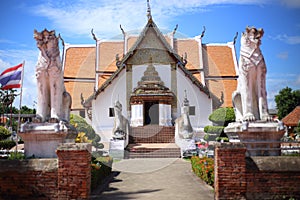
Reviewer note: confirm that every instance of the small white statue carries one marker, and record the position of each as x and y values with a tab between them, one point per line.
53	102
121	124
250	98
183	127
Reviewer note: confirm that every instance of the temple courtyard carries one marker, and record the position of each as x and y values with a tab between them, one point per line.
158	178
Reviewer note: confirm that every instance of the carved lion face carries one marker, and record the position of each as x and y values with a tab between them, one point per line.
252	37
37	35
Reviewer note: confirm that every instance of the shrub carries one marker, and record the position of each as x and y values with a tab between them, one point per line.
16	156
214	129
101	168
7	144
81	138
210	137
4	133
222	116
204	168
83	127
225	139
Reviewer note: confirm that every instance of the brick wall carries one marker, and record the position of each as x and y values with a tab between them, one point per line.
230	169
74	171
240	177
64	178
274	177
28	179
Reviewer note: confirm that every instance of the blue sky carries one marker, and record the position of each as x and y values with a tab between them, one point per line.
74	19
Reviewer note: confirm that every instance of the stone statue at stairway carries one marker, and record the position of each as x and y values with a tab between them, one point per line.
250	98
121	124
183	127
53	103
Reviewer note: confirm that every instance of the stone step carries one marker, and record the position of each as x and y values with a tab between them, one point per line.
151	150
152	134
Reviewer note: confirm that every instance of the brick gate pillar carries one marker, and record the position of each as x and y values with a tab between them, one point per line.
74	171
230	171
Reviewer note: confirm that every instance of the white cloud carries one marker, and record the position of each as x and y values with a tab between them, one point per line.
3	65
291	3
287	39
283	55
79	17
5	41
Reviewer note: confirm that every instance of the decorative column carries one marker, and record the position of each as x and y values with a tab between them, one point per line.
169	115
128	88
165	118
174	89
162	120
137	118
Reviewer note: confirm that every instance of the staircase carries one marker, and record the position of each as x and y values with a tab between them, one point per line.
152	141
152	134
153	150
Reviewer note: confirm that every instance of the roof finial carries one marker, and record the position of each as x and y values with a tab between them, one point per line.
235	37
203	32
93	34
123	32
149	11
175	29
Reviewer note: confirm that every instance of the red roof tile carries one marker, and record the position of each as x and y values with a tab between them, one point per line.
293	118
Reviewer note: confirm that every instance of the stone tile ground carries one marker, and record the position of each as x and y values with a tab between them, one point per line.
158	179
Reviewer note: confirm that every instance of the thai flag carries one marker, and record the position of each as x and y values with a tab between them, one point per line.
11	77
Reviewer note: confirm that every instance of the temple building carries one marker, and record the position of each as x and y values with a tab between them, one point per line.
149	74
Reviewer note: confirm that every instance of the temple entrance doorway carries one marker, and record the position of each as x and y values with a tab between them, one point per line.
151	112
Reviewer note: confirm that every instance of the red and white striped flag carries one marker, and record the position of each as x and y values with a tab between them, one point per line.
11	77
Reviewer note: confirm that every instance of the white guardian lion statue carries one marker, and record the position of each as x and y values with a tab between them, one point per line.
250	98
53	102
121	124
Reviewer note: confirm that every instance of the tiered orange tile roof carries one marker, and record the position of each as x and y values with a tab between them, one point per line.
80	62
219	65
293	118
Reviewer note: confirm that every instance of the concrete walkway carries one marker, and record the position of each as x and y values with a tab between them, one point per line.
157	178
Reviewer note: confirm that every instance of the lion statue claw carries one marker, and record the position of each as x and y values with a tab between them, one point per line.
250	98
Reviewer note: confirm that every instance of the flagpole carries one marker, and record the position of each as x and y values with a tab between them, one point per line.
20	105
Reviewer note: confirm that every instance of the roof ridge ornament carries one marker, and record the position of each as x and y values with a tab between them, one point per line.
149	11
235	37
93	34
203	32
123	32
175	29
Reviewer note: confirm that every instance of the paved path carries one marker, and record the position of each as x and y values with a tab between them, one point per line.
159	179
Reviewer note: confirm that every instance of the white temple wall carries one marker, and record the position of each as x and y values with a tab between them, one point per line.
164	72
102	123
198	99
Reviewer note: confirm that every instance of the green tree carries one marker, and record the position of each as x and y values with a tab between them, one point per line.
286	101
7	97
26	110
